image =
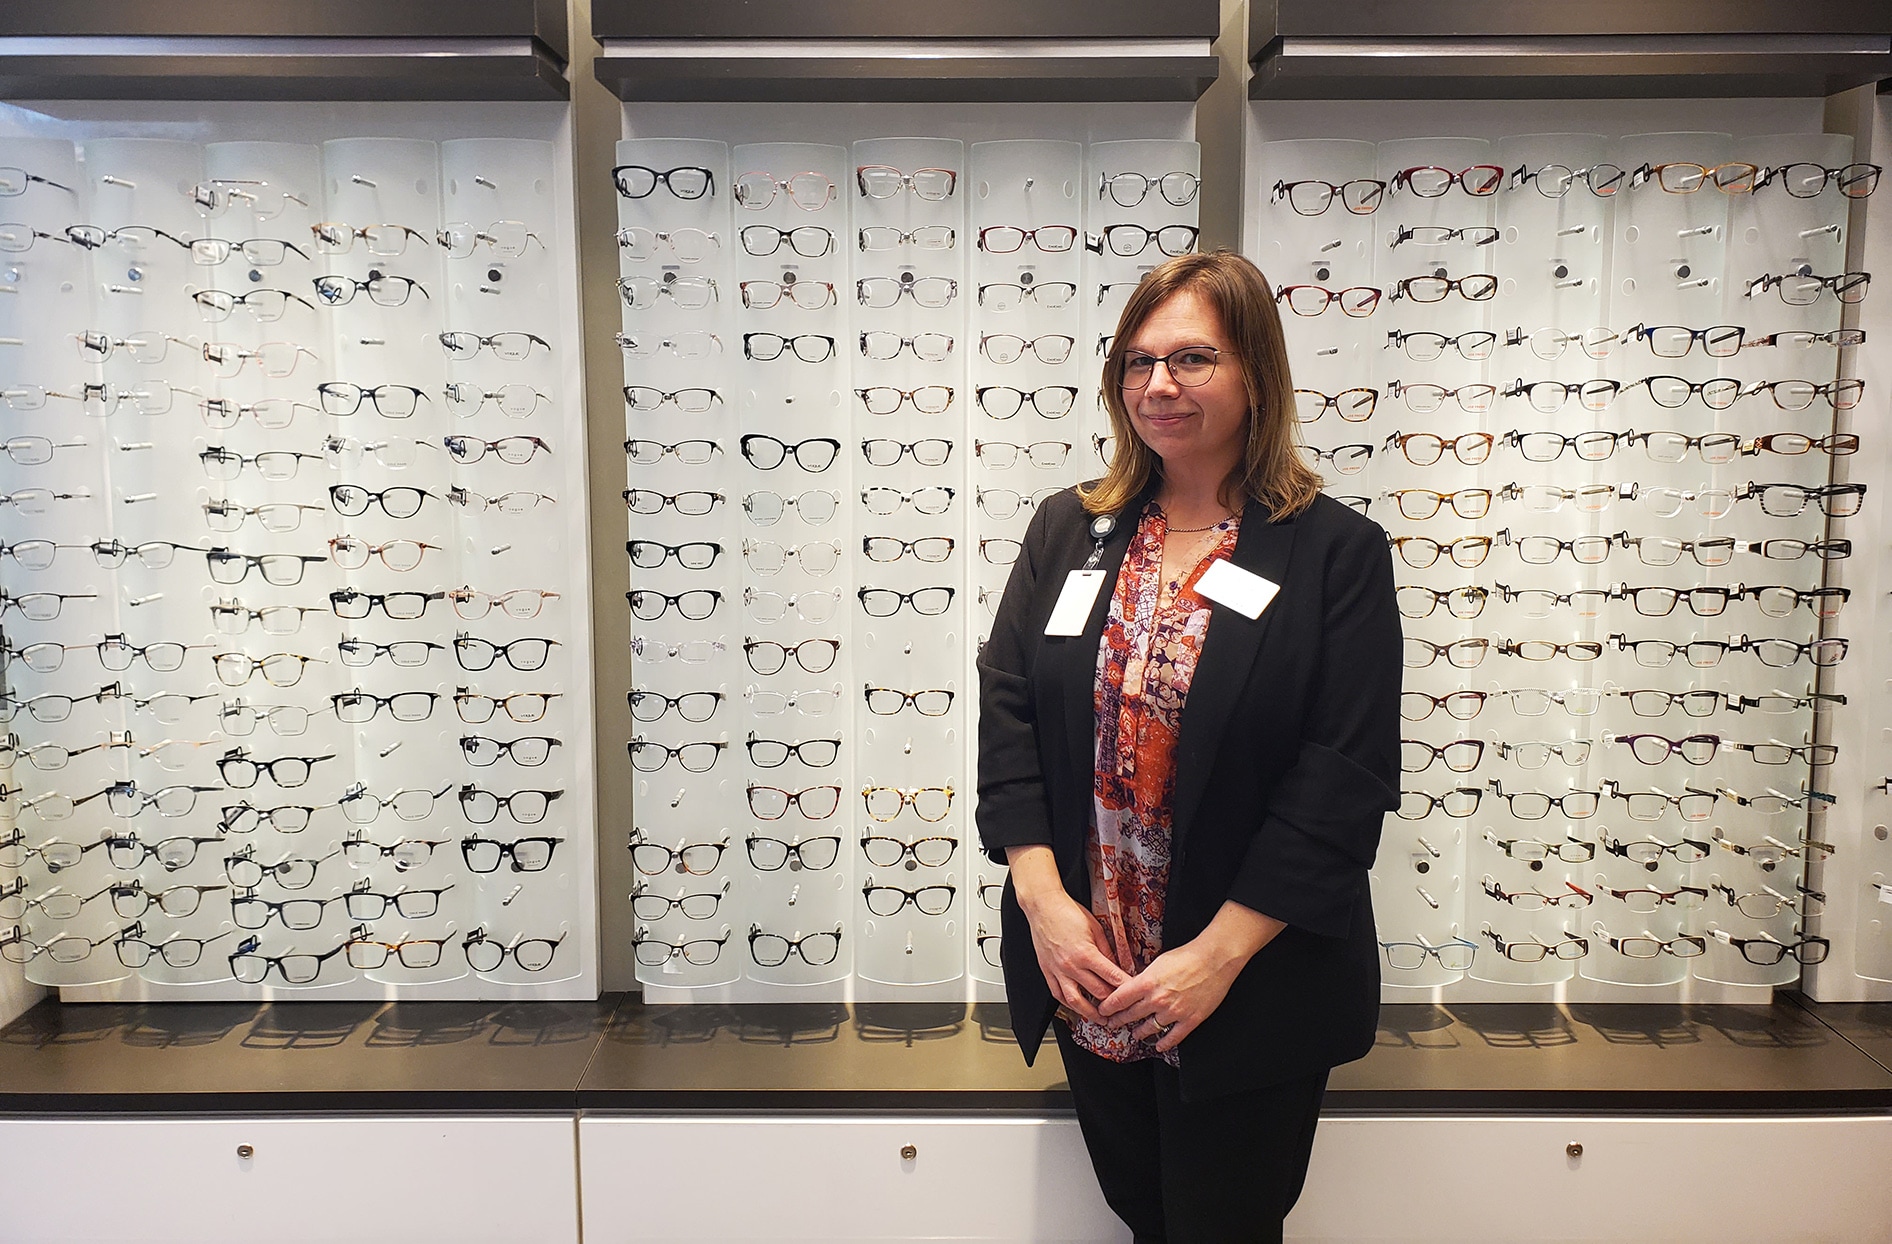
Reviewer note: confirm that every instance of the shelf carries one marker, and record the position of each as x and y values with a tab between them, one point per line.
284	49
633	73
868	51
1493	49
878	19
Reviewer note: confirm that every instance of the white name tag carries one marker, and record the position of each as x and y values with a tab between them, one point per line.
1246	593
1073	609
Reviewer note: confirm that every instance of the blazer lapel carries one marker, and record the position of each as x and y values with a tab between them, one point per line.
1075	656
1228	652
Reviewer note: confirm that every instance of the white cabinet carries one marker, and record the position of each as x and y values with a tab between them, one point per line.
735	1179
731	1179
239	1180
1678	1181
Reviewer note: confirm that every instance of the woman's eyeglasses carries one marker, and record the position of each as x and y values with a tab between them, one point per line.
1190	367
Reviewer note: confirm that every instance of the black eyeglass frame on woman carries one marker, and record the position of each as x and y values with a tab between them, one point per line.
1138	369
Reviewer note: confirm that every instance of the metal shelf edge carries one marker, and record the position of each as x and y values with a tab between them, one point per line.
1281	73
533	74
918	80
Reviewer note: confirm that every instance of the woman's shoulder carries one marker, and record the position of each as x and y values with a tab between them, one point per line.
1339	525
1063	513
1067	505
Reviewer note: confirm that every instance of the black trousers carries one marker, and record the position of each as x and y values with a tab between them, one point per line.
1221	1171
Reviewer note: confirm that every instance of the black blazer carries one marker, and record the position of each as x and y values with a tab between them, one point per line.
1288	761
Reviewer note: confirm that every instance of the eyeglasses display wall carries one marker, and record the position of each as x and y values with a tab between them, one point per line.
1593	388
851	373
297	689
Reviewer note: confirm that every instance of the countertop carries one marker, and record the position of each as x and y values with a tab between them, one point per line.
618	1055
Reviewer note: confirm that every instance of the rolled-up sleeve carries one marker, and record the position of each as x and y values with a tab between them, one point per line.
1306	864
1012	810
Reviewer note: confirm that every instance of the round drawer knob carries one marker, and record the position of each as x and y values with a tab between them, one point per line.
1573	1149
909	1152
246	1151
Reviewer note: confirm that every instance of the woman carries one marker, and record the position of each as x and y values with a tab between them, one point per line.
1187	776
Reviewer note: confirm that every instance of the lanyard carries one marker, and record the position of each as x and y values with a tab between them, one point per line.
1101	528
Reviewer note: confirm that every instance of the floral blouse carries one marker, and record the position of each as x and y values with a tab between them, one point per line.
1144	667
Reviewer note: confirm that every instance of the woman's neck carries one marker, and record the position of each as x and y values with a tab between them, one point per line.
1193	499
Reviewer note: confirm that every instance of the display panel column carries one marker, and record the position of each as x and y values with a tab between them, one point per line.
328	667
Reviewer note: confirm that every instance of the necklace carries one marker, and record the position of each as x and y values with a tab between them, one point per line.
1185	554
1189	531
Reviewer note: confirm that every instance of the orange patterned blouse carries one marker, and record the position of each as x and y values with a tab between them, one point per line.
1144	667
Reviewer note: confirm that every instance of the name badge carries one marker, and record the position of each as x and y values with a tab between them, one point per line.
1073	609
1246	593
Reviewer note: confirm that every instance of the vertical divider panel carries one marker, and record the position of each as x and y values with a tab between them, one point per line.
137	198
497	206
1856	879
677	292
1598	472
959	395
1141	200
1031	379
1550	260
792	208
325	433
909	808
1668	268
1773	232
1426	234
50	305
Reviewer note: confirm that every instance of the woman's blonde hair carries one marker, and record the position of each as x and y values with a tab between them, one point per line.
1271	470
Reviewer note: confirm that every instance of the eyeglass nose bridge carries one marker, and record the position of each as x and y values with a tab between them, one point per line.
1164	364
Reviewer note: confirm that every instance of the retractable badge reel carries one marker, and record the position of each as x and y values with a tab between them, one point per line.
1073	609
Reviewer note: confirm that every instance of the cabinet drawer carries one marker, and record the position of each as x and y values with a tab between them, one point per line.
404	1181
1488	1180
730	1179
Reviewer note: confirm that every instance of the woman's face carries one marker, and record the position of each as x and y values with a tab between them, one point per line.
1200	427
